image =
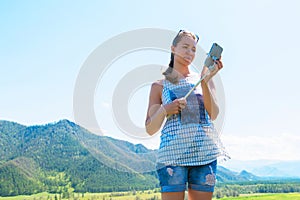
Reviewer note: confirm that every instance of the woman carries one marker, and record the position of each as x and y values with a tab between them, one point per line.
189	148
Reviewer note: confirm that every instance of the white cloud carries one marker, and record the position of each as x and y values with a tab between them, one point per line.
284	146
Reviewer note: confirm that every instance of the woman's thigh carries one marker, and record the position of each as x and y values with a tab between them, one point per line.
203	178
172	195
172	178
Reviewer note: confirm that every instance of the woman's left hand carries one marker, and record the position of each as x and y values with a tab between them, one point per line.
218	66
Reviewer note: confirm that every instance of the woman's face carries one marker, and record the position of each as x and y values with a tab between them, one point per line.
185	50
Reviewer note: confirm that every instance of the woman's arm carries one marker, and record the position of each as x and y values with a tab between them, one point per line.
157	112
207	85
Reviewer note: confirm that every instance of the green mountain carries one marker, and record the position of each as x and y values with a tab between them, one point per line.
63	157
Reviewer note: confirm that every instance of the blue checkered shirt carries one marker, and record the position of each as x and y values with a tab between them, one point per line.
188	138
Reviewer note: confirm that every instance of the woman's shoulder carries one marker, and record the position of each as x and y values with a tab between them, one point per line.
158	83
157	87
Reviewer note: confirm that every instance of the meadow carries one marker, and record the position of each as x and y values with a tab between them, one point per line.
285	196
145	195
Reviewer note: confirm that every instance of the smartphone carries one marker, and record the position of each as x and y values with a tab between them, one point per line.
213	54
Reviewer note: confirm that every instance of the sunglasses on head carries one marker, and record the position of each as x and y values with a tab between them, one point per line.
188	32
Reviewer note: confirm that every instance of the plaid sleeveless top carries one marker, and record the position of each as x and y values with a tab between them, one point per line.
188	138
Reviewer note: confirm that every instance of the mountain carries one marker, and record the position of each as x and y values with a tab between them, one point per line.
267	168
63	157
225	175
279	169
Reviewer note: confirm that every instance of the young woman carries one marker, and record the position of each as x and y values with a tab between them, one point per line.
188	151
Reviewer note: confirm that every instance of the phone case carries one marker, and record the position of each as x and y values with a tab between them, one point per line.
213	55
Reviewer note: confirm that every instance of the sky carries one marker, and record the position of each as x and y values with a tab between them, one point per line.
44	45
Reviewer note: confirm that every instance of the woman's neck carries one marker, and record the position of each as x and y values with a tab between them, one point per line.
182	70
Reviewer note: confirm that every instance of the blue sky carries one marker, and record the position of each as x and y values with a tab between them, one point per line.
44	44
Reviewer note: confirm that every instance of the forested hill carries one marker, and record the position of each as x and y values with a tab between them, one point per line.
64	157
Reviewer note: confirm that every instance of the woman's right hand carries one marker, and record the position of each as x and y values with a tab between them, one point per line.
176	106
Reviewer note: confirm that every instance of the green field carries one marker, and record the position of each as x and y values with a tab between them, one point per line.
293	196
139	195
146	195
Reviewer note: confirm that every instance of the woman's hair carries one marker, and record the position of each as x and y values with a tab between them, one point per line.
172	77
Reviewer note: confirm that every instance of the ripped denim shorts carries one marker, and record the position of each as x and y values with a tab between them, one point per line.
175	178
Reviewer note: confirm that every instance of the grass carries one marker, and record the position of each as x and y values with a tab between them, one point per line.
146	195
286	196
141	195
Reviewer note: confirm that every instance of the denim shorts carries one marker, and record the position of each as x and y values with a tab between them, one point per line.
177	178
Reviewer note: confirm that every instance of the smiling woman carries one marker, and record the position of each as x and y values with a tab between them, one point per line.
189	145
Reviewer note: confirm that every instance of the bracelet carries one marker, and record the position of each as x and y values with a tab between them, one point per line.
164	110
